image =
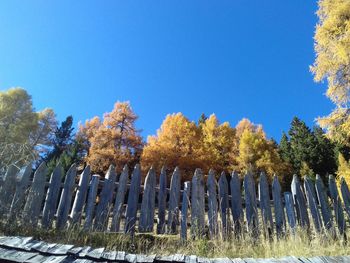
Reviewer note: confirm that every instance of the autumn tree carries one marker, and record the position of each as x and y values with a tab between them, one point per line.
343	170
115	140
24	133
217	144
177	143
332	63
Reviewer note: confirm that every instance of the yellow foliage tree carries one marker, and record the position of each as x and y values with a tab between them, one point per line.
343	170
332	46
176	144
114	141
217	145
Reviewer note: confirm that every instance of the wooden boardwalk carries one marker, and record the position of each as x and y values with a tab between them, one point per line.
26	249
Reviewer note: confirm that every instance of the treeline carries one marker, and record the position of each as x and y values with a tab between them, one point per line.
30	136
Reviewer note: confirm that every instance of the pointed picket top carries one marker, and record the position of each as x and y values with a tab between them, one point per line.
300	202
8	189
148	202
323	201
212	204
162	195
119	199
174	200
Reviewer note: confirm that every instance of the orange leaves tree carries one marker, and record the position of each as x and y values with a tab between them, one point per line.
114	140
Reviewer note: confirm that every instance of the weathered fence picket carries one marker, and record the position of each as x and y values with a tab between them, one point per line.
212	204
185	204
66	197
323	201
119	199
236	202
35	196
133	199
264	199
52	197
162	195
80	196
103	207
36	201
278	207
174	199
223	204
148	203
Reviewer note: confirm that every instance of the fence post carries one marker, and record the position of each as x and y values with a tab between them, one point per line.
119	199
300	203
264	199
323	200
133	200
184	208
66	198
197	204
148	202
278	206
251	205
311	198
236	203
174	198
337	206
35	196
289	204
91	200
212	204
52	197
223	204
21	192
80	196
103	207
8	189
162	195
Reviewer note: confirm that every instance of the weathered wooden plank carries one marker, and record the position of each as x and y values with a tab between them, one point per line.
197	204
264	199
278	206
212	204
162	195
17	242
35	196
337	205
146	221
7	190
80	196
223	204
300	203
91	200
17	256
289	204
109	255
346	195
131	258
184	209
236	202
323	201
66	198
85	250
120	256
131	209
52	197
145	258
251	205
119	199
191	258
311	199
60	249
95	253
174	199
22	190
104	206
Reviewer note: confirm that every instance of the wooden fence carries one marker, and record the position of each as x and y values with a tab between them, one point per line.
223	208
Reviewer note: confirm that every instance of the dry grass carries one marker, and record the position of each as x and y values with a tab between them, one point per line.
300	244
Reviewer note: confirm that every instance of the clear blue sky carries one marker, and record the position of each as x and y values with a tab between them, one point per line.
232	58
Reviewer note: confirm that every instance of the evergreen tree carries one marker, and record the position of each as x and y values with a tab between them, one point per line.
285	149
